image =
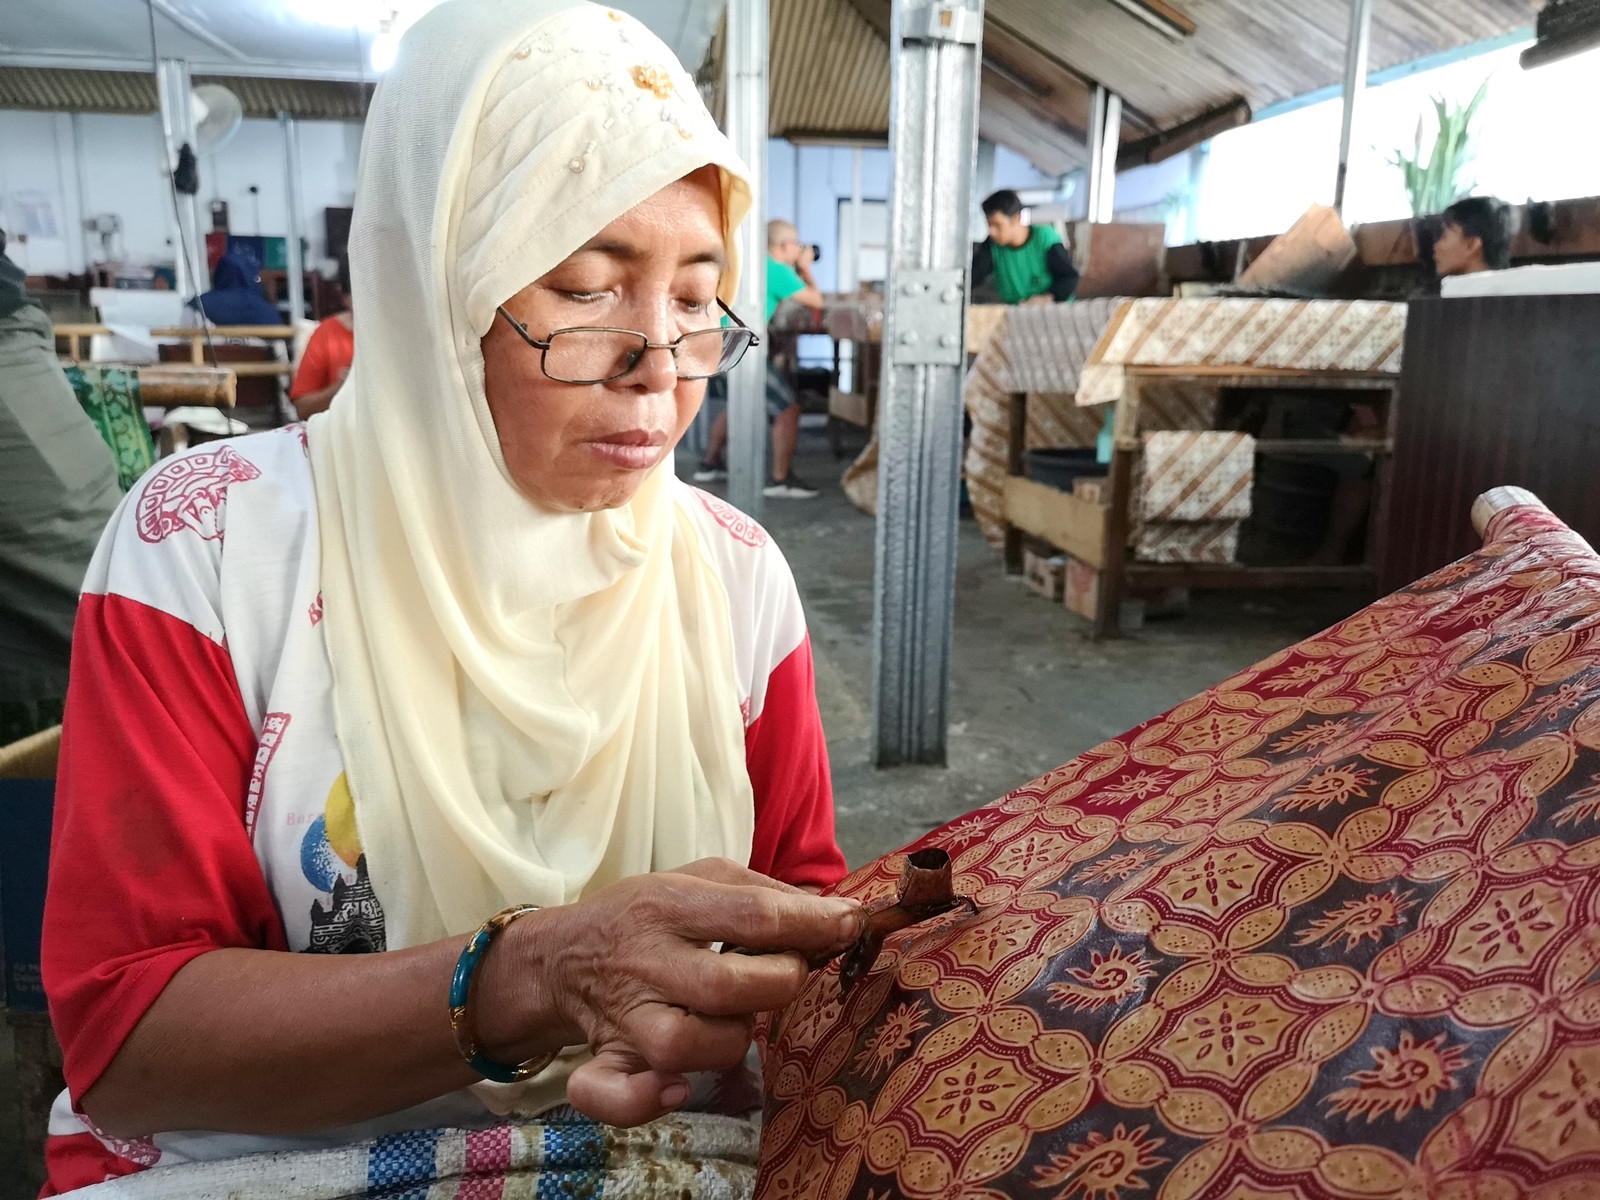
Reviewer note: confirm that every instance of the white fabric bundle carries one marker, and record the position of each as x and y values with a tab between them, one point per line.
530	704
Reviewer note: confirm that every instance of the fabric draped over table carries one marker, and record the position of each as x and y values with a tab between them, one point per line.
1328	929
1039	350
1069	356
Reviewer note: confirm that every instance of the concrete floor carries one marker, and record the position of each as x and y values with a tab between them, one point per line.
1029	688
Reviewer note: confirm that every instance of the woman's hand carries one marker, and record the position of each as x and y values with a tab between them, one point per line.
631	973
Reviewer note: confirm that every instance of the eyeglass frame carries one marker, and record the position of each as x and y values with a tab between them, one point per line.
544	346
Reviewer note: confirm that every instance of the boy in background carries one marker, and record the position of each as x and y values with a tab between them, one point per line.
1030	264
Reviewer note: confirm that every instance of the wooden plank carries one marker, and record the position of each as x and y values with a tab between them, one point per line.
1060	518
1236	376
1369	446
1015	456
1233	575
187	332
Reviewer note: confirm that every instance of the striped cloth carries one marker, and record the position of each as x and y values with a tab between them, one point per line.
692	1156
1303	335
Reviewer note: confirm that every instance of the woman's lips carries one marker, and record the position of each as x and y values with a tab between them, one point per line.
632	449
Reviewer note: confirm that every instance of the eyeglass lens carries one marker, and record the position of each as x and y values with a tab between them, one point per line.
596	355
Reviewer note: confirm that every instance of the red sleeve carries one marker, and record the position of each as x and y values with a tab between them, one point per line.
150	865
787	756
316	364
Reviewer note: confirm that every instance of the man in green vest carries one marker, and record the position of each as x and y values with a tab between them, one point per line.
1029	263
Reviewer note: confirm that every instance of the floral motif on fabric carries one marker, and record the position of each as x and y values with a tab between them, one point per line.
1329	929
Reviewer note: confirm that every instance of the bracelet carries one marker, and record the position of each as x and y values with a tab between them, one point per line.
461	994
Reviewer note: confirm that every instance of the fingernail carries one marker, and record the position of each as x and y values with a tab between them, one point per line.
850	926
674	1095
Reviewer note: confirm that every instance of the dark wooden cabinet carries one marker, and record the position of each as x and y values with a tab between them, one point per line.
1493	390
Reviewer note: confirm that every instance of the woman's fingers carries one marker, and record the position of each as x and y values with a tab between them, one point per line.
670	1039
619	1087
761	918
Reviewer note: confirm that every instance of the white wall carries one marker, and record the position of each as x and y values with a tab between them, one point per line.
121	172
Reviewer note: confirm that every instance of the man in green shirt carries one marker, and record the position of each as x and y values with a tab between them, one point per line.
788	278
1029	263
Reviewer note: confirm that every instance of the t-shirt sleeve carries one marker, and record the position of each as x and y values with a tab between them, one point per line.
316	364
786	753
1063	275
783	281
150	863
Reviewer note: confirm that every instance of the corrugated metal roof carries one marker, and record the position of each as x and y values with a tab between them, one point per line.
59	90
829	71
830	75
1263	50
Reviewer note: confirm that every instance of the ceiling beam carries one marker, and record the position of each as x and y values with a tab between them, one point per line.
1168	142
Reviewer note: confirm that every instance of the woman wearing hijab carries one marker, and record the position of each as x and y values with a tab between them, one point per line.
458	671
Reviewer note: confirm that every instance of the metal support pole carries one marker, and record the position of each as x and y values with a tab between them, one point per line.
1097	133
81	174
1355	83
177	127
1109	137
291	182
935	54
746	122
855	220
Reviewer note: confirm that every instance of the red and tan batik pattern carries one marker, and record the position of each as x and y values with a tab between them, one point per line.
1330	929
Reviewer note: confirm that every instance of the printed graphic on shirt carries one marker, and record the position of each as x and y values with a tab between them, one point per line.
188	492
350	920
272	731
735	522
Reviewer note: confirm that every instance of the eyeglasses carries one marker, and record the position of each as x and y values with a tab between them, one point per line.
599	354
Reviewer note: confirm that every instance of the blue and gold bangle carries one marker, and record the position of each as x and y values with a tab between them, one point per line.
461	994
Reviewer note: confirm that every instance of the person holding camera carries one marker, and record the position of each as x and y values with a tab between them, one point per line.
788	278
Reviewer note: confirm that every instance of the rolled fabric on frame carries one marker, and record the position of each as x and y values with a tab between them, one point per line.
1327	929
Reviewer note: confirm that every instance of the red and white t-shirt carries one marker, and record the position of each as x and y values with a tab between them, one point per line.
201	799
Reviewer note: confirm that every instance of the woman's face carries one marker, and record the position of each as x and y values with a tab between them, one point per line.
655	269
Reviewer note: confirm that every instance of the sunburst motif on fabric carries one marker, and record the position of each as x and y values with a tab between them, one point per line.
1226	1036
968	829
1321	734
1331	785
1558	1117
1298	677
1410	1076
1583	804
1358	920
891	1038
1102	1167
1119	866
1137	787
1565	698
1109	979
1214	880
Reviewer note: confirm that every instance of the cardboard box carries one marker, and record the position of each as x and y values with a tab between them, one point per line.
1094	489
1047	576
1082	593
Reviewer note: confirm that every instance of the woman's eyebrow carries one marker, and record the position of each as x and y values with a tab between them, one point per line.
632	252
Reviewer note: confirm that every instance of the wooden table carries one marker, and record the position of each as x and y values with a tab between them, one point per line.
197	338
1097	534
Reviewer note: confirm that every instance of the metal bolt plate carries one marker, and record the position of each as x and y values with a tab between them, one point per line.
928	309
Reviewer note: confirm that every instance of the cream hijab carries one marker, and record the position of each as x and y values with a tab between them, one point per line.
530	704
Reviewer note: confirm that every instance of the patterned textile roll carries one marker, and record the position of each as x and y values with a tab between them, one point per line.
1328	929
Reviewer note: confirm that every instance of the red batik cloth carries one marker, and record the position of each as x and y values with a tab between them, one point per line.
1329	929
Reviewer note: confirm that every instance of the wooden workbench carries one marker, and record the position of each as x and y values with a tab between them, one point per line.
1097	534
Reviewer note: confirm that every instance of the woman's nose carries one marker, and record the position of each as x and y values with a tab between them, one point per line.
657	370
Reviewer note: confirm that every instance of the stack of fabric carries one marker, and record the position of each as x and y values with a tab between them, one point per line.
1194	493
